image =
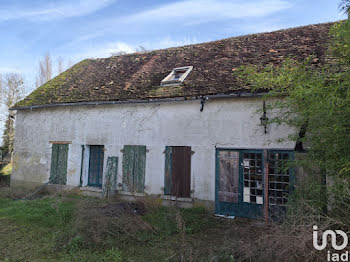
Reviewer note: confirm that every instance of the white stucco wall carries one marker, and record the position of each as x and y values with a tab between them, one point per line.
224	123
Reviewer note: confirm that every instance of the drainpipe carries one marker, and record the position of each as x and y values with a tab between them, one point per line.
203	100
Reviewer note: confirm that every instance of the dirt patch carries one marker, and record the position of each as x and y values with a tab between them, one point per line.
97	220
227	239
119	209
22	193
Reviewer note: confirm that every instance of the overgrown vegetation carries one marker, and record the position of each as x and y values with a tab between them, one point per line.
39	95
5	175
72	228
316	102
313	97
12	89
6	170
316	99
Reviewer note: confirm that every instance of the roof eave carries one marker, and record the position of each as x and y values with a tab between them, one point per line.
143	101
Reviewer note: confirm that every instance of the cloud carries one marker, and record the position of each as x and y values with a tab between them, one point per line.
103	50
54	11
170	42
106	49
199	11
183	13
255	26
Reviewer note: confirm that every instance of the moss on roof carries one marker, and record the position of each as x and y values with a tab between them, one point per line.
50	91
138	76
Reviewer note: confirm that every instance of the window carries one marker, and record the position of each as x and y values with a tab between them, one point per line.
177	76
177	181
279	177
253	178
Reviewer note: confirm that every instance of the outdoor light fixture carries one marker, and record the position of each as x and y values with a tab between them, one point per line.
264	120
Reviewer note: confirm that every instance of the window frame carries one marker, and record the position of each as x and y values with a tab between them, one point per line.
168	81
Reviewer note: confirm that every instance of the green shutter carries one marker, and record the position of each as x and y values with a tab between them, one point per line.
62	164
139	168
59	158
128	167
111	176
134	166
54	164
168	169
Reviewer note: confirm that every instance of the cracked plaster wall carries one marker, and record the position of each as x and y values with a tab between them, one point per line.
225	123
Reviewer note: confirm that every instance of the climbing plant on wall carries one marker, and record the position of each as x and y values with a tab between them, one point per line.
316	101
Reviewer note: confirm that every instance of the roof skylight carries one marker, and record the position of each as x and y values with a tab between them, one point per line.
177	76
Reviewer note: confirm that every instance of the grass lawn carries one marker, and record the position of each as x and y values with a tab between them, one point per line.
75	228
71	227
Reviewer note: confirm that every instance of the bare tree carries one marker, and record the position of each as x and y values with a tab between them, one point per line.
118	53
70	63
141	49
60	68
344	6
44	71
12	89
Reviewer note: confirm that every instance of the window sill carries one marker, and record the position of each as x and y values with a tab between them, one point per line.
180	199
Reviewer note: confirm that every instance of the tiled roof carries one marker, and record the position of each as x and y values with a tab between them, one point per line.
138	76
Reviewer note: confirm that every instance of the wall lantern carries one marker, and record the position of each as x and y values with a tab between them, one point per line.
264	120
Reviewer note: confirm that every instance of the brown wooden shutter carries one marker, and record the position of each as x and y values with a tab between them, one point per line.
181	171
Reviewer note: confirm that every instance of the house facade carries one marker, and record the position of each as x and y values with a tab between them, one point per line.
173	123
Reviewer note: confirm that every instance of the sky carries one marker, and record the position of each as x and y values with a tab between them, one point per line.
75	30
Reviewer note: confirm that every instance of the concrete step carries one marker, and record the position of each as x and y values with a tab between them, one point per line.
91	191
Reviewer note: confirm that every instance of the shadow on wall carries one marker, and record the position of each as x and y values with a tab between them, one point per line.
4	181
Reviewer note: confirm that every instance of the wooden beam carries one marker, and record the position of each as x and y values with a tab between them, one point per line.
60	142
